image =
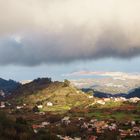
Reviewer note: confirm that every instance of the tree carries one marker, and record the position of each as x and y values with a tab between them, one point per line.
35	109
66	83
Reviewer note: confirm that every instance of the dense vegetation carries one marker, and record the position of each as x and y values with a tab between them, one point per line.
8	85
61	95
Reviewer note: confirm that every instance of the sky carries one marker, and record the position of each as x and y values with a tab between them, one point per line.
52	38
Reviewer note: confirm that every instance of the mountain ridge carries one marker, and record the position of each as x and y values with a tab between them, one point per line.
8	86
132	93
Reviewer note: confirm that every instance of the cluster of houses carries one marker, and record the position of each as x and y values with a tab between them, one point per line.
93	129
4	104
101	126
103	101
36	127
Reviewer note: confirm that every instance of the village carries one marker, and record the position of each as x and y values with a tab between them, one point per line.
94	129
81	127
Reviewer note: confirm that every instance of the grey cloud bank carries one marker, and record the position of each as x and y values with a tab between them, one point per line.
33	32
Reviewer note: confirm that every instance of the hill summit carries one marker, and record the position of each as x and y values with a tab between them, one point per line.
50	95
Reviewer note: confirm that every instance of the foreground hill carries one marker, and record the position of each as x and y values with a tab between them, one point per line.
50	95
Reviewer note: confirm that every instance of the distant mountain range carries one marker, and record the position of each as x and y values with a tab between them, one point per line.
133	93
109	85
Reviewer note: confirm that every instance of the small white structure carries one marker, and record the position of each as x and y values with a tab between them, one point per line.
81	118
35	131
2	104
19	107
49	104
2	93
100	102
40	106
90	97
117	99
45	123
93	120
133	123
66	120
106	99
134	100
77	91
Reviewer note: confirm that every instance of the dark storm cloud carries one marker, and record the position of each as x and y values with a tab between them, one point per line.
52	31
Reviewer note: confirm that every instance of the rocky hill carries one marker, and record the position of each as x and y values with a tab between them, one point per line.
50	95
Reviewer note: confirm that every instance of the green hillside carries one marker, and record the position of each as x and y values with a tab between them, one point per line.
61	95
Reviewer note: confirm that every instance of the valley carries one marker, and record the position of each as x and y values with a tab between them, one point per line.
110	85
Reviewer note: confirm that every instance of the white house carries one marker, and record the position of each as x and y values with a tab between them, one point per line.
45	123
66	120
2	93
2	104
49	104
106	99
100	102
90	97
19	107
40	106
